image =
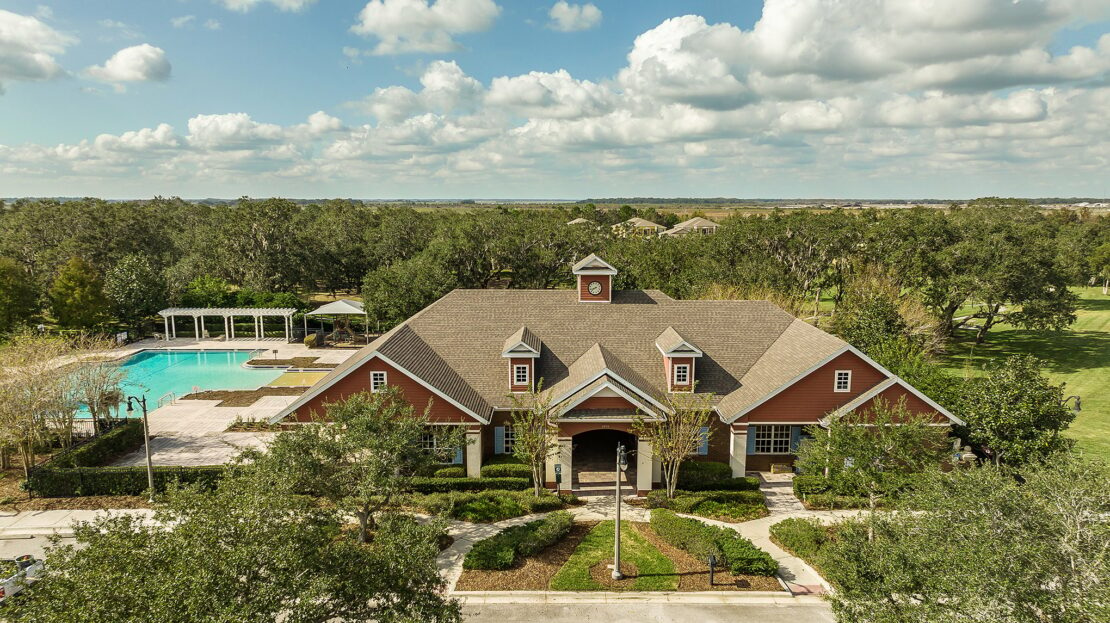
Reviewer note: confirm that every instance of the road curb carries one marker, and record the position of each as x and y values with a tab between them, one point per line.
602	597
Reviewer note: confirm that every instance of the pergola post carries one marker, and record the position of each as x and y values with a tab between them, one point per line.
173	326
232	323
166	324
196	327
256	328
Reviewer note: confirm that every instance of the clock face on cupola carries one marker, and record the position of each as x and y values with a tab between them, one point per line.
595	280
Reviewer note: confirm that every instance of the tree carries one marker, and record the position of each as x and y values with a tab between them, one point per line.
96	383
34	392
873	311
18	296
1015	415
863	450
77	295
360	455
677	435
982	544
393	293
206	291
1100	262
535	433
241	553
135	289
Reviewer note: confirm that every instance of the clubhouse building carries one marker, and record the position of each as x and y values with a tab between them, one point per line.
607	357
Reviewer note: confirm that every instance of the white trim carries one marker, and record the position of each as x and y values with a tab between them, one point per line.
836	381
563	409
385	380
674	374
527	374
607	371
694	352
431	388
511	352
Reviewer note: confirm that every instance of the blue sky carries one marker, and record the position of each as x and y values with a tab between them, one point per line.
498	98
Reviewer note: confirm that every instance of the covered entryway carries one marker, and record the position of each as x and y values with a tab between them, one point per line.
594	461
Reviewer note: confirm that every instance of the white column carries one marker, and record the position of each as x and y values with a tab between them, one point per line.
256	328
566	454
196	327
166	323
738	451
644	462
474	452
232	325
173	326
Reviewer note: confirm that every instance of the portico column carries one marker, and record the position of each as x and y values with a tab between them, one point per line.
474	452
644	461
738	450
566	453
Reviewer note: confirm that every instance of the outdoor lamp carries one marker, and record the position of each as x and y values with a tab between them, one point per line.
1078	403
622	457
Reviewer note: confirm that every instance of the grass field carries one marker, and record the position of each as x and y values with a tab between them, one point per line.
1078	357
655	572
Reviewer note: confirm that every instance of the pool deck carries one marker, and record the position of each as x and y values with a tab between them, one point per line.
191	432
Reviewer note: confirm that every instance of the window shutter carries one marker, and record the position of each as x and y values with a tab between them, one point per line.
795	437
751	439
499	440
703	443
458	456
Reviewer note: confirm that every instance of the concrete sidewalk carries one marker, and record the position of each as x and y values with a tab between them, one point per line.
46	523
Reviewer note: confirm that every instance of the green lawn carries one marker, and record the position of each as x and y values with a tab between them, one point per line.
1078	357
655	572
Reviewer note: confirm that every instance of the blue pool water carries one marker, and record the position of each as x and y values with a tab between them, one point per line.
156	372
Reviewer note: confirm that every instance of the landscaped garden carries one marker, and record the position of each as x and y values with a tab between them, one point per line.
670	553
707	489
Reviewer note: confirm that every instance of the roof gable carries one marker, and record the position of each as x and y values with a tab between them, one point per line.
593	265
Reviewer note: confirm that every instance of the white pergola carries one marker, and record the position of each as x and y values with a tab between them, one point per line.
259	314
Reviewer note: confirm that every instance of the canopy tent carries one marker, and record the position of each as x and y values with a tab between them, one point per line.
259	314
342	307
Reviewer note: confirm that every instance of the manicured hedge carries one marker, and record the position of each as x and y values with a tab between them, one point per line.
746	483
443	485
121	440
501	550
49	481
699	539
810	485
732	505
701	473
507	470
485	506
450	472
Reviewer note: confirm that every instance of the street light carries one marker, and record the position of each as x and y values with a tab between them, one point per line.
146	441
622	464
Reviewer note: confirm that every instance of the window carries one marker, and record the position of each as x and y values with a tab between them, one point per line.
377	381
772	439
520	374
510	437
428	442
843	382
682	374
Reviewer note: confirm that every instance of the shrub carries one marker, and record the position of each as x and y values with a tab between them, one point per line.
731	505
450	472
440	485
507	470
501	550
809	485
310	340
700	540
802	537
121	440
503	459
485	506
746	483
831	501
49	481
701	473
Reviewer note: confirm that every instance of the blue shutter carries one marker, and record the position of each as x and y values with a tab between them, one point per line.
499	440
703	441
751	439
458	456
795	437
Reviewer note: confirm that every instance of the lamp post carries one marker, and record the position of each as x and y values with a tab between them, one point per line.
146	441
622	464
1078	403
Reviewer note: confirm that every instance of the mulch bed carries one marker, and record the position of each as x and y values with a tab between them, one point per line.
295	362
529	574
693	574
244	397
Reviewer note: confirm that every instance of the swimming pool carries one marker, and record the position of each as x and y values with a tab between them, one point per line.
157	372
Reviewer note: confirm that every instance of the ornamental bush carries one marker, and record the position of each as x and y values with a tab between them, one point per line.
802	537
442	485
727	505
49	481
502	550
450	472
485	506
507	470
810	484
746	483
121	440
732	550
701	473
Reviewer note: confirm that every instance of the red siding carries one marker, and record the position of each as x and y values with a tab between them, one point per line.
358	380
811	398
605	402
668	362
584	285
515	361
892	395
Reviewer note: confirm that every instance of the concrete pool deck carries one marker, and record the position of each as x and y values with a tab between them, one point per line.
191	432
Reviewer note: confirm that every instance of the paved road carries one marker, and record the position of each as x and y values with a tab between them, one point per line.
649	613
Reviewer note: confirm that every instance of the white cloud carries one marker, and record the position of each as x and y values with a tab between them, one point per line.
43	11
138	63
554	95
183	21
231	131
212	24
572	17
28	49
243	6
446	88
404	26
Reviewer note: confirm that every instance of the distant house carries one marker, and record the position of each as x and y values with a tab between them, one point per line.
580	221
696	225
637	226
607	358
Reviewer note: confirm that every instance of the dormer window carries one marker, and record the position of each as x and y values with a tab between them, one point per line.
520	374
681	374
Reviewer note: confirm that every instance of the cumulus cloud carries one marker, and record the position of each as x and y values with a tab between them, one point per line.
28	49
243	6
445	88
405	26
182	21
138	63
572	17
555	95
